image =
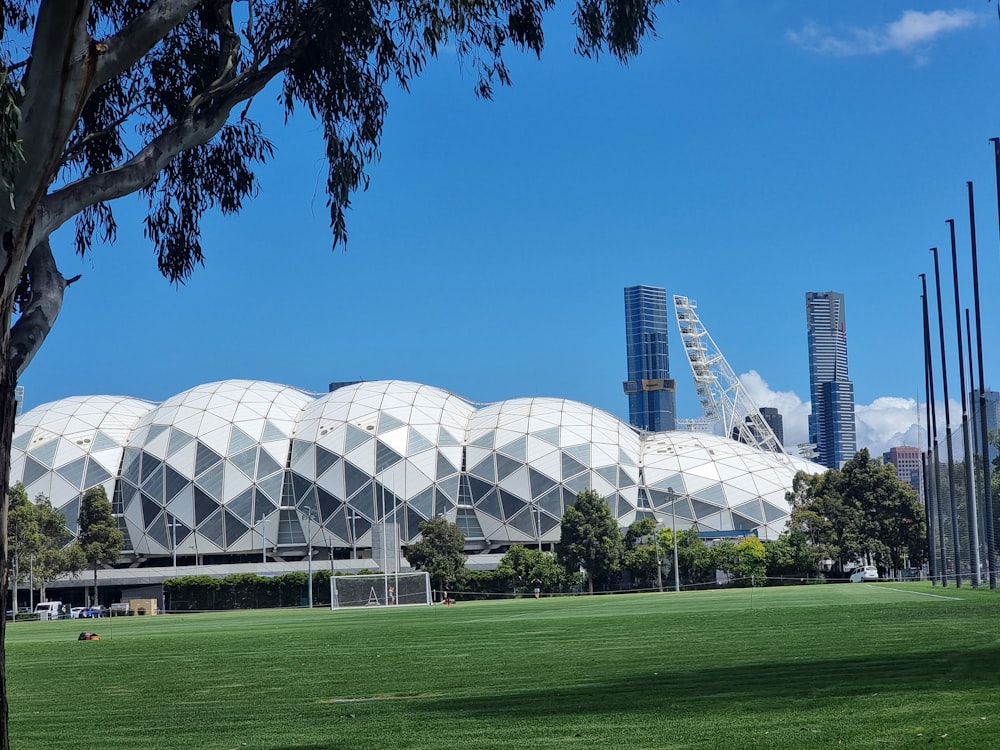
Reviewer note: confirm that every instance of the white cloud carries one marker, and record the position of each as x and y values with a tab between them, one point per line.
886	422
911	33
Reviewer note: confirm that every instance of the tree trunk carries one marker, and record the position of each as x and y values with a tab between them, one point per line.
94	601
8	406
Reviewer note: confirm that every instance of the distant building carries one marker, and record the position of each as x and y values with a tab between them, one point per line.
774	421
650	390
831	421
907	461
992	420
773	418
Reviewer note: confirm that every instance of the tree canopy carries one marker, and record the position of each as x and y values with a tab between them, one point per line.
439	551
861	512
100	539
591	539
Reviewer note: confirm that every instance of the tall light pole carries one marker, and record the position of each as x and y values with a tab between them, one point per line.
308	509
673	531
538	509
354	536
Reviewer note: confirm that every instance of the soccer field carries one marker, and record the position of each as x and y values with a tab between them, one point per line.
845	666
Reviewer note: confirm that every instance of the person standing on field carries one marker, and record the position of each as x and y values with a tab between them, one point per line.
537	583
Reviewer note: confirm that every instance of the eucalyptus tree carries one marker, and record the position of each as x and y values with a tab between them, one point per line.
102	99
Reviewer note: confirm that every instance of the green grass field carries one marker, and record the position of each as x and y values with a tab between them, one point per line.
834	666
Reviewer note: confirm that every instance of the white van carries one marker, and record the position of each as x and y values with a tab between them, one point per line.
48	610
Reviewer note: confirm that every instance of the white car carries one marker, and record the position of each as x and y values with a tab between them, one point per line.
76	612
866	573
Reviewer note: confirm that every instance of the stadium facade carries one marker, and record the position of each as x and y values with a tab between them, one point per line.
239	470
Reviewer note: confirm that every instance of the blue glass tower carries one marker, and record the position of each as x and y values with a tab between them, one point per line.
831	420
649	387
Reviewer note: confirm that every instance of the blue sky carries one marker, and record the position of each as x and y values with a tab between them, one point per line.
752	153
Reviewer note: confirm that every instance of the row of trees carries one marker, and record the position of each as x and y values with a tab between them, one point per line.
42	547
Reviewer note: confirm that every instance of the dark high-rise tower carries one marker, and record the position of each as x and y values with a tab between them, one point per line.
649	387
831	421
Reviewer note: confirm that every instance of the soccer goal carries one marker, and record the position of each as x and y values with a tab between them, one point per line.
380	590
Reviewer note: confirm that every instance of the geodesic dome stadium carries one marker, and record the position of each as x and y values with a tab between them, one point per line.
240	466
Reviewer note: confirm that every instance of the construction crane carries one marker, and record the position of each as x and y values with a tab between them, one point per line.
723	398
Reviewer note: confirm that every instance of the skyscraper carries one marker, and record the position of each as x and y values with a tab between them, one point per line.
831	420
649	387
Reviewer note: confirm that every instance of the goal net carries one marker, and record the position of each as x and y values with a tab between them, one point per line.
380	590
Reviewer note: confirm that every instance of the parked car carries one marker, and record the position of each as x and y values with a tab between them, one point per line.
97	610
866	573
48	610
77	612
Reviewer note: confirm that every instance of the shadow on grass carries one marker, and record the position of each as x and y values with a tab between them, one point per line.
702	690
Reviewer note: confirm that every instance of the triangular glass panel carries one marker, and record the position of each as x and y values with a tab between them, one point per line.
239	441
417	443
446	439
155	430
773	513
266	465
71	512
33	471
73	472
517	448
271	487
742	523
96	474
177	440
205	458
355	437
702	509
490	504
423	502
211	481
324	460
235	528
102	442
579	483
246	461
752	510
580	452
444	467
272	432
204	506
511	503
328	504
570	466
130	465
540	484
21	441
300	448
211	529
262	506
523	522
624	479
150	463
449	487
479	488
242	505
506	466
45	453
610	473
625	459
413	521
485	470
153	485
551	502
150	510
549	435
301	489
714	493
387	422
485	440
385	457
354	479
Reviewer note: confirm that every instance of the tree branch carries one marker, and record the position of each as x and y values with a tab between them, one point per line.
139	171
127	47
39	315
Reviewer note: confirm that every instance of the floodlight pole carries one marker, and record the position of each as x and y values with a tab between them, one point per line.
538	511
308	510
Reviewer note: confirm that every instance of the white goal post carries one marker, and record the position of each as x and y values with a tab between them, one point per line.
380	590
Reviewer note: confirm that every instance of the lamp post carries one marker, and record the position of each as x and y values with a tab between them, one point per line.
538	509
308	510
173	538
354	536
659	566
263	541
673	531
